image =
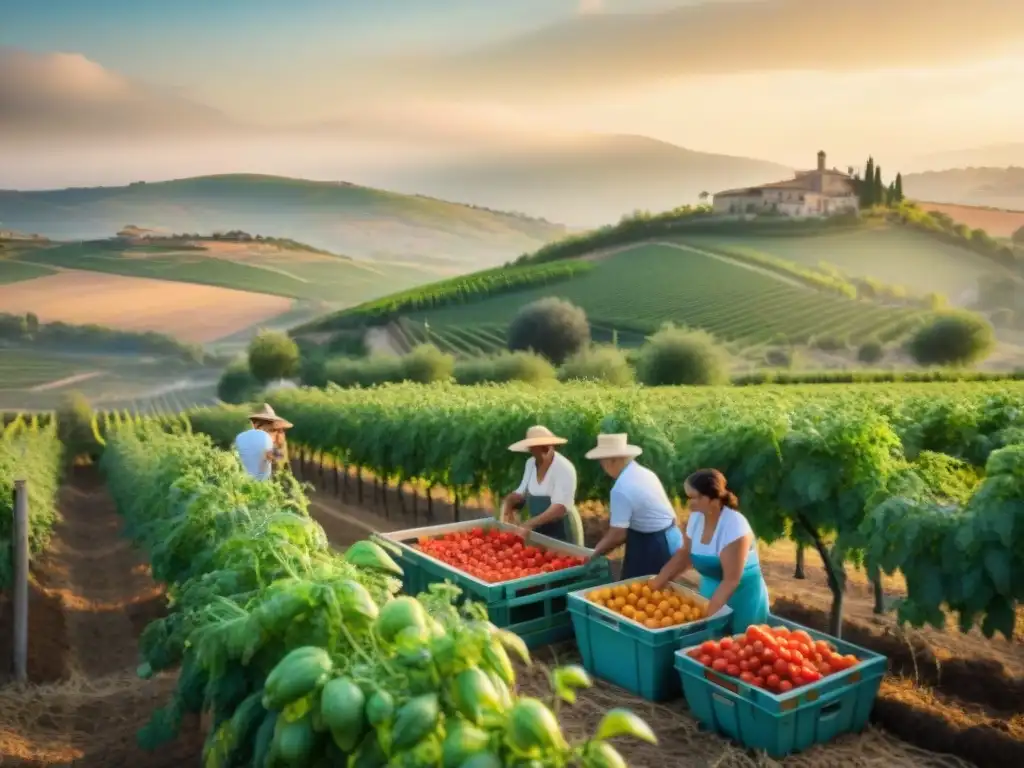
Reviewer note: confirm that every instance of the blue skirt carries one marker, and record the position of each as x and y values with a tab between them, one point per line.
647	553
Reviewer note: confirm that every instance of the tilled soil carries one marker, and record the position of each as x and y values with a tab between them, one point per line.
93	595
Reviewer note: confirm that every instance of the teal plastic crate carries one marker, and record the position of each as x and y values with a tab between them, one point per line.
631	656
535	607
790	722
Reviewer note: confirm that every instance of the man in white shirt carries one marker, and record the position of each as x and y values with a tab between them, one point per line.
259	447
641	515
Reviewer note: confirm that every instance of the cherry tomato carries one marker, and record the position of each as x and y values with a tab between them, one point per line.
785	686
719	665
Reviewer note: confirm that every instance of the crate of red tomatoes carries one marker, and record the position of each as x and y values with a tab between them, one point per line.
523	583
779	686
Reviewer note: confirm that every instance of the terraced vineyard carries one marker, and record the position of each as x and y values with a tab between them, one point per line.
639	289
889	254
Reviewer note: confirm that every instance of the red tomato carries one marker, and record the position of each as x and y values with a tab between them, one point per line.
758	647
726	643
732	670
709	646
759	681
785	654
785	686
781	667
766	671
810	675
772	682
730	656
707	659
768	656
719	665
746	677
796	656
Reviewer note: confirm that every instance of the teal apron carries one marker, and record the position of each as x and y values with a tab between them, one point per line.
569	529
749	602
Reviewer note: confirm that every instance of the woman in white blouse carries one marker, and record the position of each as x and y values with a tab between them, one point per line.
720	545
547	493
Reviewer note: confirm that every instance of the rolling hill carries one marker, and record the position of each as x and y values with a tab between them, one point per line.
587	180
824	285
989	187
344	218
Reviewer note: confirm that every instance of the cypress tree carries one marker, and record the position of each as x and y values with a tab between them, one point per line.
899	188
867	187
879	191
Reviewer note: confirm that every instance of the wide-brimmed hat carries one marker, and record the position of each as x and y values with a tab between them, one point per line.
614	447
537	436
266	413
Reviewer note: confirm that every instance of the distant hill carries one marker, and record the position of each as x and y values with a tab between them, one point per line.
991	156
992	187
340	217
590	180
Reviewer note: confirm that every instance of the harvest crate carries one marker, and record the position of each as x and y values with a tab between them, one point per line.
625	652
789	722
534	607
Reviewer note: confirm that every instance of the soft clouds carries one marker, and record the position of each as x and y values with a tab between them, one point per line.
597	51
63	94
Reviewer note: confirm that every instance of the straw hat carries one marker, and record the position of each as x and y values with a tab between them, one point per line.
537	436
614	447
266	413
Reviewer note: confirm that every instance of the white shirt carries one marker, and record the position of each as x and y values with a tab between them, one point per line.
559	484
638	501
731	526
252	446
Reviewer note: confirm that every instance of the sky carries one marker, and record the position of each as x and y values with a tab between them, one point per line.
772	79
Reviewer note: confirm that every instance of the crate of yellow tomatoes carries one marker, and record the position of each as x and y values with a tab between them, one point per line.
628	633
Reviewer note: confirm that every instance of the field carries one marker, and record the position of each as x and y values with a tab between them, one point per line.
996	221
191	313
31	380
640	288
285	273
950	699
889	254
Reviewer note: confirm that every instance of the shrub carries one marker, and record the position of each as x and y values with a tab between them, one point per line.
1018	236
427	364
953	338
677	356
508	366
829	343
74	427
273	355
604	364
551	327
237	384
779	358
870	352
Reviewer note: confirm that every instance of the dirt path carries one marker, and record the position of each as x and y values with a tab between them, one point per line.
95	595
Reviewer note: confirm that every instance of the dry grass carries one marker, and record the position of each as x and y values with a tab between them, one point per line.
996	221
189	312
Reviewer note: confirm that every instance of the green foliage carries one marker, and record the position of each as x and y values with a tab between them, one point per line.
1018	236
273	355
26	330
305	655
818	459
678	356
505	367
551	327
603	364
237	384
425	364
30	452
953	338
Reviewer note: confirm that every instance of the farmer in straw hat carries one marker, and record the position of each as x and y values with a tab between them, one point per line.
641	514
264	444
547	493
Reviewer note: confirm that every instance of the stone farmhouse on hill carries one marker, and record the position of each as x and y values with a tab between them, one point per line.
818	193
